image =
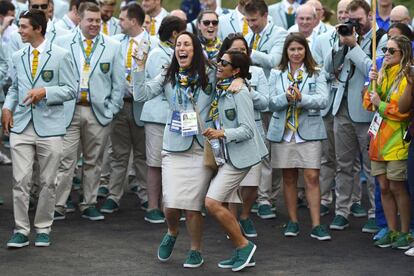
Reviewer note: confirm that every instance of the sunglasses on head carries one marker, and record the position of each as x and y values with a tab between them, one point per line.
390	50
224	62
208	22
40	7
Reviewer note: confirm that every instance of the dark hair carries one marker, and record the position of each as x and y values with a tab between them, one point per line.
37	19
356	4
170	24
5	7
256	6
134	11
198	64
29	2
204	12
310	63
78	2
228	41
239	60
404	29
87	6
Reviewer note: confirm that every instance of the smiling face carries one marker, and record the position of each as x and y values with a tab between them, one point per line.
26	31
107	11
90	24
184	51
296	53
306	20
224	68
125	23
208	26
42	5
256	21
238	45
392	59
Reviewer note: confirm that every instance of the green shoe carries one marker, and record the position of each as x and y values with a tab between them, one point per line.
109	206
42	240
320	233
243	256
1	201
291	229
193	260
403	241
18	240
166	247
103	191
358	211
255	208
144	206
247	228
92	213
70	207
370	226
154	216
229	262
58	216
324	210
265	211
339	223
387	240
76	183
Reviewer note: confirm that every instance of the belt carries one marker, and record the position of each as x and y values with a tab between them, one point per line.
128	100
83	103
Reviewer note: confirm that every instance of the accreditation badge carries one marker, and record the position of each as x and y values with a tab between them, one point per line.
189	125
84	83
375	125
175	124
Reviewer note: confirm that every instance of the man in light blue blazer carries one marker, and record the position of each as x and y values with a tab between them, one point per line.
71	19
110	24
99	73
351	63
34	115
283	13
266	39
233	22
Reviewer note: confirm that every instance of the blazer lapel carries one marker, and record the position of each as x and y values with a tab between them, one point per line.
266	36
97	53
26	64
114	26
233	22
282	16
52	34
75	51
43	61
124	45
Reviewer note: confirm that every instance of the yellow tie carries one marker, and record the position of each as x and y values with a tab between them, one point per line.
35	62
245	27
129	58
152	26
256	41
86	67
105	28
290	10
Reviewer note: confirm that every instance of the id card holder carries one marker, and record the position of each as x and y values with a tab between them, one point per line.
189	125
375	125
84	83
175	124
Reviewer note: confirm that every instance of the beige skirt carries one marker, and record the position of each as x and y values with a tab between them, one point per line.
225	185
185	179
153	143
252	178
288	155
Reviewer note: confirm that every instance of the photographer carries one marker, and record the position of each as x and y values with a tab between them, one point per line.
350	64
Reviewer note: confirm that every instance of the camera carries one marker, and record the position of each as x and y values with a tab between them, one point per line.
346	29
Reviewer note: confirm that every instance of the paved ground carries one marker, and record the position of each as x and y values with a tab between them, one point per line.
124	244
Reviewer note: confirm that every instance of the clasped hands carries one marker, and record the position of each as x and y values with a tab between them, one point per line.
293	94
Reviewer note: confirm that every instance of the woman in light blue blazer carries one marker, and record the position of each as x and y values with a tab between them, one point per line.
259	91
237	146
207	26
299	92
185	179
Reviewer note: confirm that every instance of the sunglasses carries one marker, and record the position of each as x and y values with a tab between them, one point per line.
40	7
390	50
210	22
223	62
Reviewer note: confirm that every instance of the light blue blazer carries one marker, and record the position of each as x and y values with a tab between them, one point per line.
147	90
277	12
114	27
245	146
314	91
359	57
55	73
65	23
228	24
269	51
157	110
61	7
106	80
259	90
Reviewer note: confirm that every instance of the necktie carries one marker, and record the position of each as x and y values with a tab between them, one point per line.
129	59
256	41
35	62
152	26
290	10
86	68
105	28
245	27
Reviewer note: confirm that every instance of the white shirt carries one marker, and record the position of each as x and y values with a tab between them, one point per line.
41	49
158	19
286	6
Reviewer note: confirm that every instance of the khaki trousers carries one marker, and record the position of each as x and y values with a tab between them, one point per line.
24	148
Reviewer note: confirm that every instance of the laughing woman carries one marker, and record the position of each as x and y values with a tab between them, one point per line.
184	177
207	24
298	92
233	125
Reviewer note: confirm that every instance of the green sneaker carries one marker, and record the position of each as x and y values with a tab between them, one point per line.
1	201
76	183
18	240
58	216
370	226
193	260
243	256
265	211
255	208
339	223
324	210
70	207
403	241
358	211
247	228
387	240
154	216
109	207
144	206
92	213
229	262
291	229
166	247
320	233
103	191
42	240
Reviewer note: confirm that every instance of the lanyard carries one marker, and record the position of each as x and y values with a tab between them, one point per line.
88	59
189	95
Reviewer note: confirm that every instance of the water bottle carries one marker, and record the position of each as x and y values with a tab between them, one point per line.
217	152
